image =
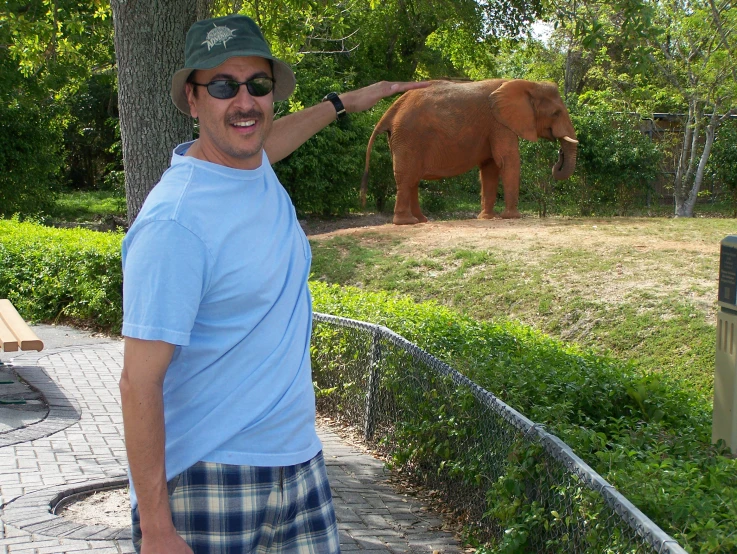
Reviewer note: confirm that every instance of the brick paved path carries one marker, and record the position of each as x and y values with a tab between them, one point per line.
79	447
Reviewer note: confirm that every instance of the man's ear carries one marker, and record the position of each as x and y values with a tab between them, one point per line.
189	91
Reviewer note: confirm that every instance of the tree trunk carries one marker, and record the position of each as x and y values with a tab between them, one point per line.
684	171
568	75
149	47
690	203
204	9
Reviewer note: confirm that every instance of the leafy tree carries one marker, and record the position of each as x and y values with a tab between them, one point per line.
45	50
91	133
58	43
696	51
49	51
530	59
599	35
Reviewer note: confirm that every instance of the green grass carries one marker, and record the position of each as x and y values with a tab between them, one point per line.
83	206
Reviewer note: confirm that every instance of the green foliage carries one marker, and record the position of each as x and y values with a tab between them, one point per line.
68	275
50	49
58	41
536	178
530	59
649	438
92	135
617	162
723	159
323	176
30	159
615	167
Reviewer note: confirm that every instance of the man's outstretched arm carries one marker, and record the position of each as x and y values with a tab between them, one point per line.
293	130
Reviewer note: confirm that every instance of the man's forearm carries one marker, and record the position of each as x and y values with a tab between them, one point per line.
141	390
143	418
293	130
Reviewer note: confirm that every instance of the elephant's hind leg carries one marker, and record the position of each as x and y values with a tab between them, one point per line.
407	203
414	204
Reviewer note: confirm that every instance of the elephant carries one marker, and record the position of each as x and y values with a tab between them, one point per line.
450	127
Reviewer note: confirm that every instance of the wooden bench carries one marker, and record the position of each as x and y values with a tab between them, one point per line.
15	334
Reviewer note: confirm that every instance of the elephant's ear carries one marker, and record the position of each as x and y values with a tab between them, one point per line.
513	107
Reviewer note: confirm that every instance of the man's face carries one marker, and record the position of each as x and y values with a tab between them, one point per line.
232	131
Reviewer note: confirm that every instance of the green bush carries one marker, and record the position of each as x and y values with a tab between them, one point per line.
62	275
647	436
616	162
537	185
91	137
723	160
323	176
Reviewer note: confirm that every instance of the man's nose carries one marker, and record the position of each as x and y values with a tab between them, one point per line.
243	98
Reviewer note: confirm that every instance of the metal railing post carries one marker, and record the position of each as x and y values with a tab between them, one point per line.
373	385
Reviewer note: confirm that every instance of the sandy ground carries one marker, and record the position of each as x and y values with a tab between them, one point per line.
529	230
519	238
111	508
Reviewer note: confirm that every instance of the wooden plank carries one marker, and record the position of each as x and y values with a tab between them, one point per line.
8	342
27	339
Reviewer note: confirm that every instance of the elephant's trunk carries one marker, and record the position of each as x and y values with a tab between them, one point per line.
566	159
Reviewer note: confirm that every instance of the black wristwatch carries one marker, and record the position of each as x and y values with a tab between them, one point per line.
339	108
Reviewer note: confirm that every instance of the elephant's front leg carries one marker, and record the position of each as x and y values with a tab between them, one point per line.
510	173
489	173
407	200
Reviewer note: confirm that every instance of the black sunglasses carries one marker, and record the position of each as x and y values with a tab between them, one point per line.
223	89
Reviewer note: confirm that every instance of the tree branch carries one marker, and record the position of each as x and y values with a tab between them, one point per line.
720	28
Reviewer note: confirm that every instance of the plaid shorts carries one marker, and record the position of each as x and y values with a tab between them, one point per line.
219	509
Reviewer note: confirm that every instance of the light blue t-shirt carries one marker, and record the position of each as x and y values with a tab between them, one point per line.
217	264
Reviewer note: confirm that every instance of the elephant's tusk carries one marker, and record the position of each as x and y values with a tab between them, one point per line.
569	139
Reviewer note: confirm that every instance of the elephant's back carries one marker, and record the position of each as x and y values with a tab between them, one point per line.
444	105
441	91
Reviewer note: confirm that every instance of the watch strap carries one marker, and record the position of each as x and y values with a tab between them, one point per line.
333	98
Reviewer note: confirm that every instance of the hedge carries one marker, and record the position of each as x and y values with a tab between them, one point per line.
72	275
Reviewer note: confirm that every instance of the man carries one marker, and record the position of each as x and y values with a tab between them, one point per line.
217	395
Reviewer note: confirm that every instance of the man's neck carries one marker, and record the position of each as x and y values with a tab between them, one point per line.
200	151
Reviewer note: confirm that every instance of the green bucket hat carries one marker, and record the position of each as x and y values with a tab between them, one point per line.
211	42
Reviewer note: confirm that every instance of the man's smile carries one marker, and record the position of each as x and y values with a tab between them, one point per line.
245	121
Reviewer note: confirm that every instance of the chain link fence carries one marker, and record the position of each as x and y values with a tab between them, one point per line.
514	486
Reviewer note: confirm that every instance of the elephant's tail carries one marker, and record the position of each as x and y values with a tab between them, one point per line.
382	126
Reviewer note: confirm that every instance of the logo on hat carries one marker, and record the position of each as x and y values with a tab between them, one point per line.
218	35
